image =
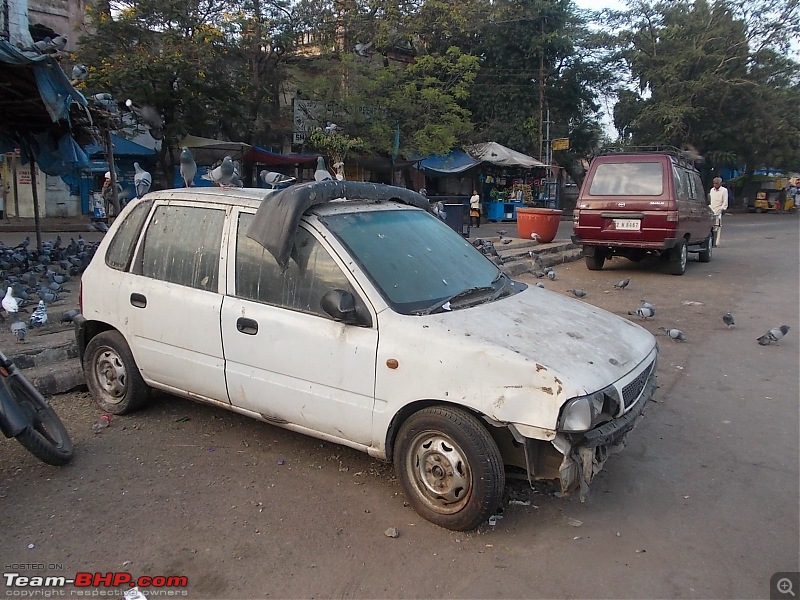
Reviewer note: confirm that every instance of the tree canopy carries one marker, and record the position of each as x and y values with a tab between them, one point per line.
423	76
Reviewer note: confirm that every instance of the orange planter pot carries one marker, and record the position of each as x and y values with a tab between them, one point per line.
541	221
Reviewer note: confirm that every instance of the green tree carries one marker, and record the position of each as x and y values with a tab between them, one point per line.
204	66
714	76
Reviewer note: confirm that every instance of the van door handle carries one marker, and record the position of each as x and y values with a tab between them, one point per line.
138	300
246	326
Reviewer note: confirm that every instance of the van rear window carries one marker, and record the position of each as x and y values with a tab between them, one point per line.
628	179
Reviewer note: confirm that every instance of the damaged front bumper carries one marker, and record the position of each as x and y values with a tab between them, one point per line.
574	459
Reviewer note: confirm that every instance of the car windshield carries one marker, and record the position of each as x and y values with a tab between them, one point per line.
417	262
628	179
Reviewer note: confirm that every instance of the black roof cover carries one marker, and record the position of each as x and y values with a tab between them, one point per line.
278	217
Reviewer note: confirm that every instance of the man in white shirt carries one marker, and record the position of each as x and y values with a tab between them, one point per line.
718	199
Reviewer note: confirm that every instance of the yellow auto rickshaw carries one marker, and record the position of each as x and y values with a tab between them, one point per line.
774	201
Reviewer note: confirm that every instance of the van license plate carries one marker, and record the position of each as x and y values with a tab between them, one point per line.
629	224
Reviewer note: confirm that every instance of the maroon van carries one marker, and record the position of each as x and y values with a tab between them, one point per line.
640	203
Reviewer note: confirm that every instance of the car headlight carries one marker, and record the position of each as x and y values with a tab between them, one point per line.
579	414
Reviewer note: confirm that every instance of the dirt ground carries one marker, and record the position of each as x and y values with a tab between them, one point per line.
244	509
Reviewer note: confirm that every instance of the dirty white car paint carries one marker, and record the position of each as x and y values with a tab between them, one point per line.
503	374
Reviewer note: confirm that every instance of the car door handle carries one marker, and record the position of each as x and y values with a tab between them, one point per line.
138	300
247	326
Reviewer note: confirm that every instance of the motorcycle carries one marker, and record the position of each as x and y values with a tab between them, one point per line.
26	416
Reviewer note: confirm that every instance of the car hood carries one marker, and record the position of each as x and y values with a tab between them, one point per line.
586	346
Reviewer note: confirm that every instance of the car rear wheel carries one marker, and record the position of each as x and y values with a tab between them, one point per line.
678	258
705	250
112	375
596	260
449	467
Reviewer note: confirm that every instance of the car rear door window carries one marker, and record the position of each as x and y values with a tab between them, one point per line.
182	245
121	248
311	272
628	179
682	184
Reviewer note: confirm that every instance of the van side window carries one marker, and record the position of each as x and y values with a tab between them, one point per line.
698	184
311	272
682	190
120	250
182	245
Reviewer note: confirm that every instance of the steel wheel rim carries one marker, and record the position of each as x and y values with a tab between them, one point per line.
439	472
684	256
110	375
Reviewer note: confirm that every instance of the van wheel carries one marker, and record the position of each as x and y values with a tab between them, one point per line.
678	258
112	375
449	467
595	262
705	250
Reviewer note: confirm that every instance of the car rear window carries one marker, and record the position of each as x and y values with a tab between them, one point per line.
628	179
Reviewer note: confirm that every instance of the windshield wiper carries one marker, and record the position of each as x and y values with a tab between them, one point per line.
445	304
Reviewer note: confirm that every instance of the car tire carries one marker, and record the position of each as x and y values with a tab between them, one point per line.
706	249
112	375
678	258
449	467
595	262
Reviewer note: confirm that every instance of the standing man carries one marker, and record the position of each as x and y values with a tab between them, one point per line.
475	209
718	199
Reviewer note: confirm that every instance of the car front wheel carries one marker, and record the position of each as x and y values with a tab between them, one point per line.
449	467
705	250
112	375
678	258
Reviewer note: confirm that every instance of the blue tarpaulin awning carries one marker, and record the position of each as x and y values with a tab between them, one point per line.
36	98
122	147
457	161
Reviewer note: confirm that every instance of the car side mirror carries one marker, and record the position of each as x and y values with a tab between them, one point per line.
341	306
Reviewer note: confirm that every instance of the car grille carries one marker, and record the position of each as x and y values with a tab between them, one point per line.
634	389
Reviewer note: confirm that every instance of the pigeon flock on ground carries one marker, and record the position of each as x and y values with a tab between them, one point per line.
33	278
645	311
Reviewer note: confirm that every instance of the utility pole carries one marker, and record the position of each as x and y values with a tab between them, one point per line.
541	90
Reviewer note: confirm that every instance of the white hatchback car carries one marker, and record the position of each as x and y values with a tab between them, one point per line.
346	311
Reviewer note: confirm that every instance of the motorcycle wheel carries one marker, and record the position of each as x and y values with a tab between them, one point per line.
45	437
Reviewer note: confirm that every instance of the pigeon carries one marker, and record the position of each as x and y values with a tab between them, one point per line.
773	335
79	73
10	303
535	237
330	128
538	274
621	285
224	174
142	180
69	315
643	312
578	293
149	116
551	274
539	284
188	167
274	180
675	335
321	174
438	209
39	315
507	241
502	232
647	305
18	328
727	318
363	49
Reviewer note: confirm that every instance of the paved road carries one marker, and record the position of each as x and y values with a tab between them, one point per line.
702	504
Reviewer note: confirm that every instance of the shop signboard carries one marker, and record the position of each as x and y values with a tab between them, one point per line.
560	144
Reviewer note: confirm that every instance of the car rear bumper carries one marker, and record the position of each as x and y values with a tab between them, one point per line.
665	244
